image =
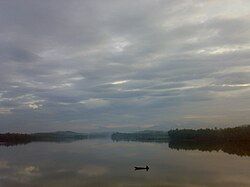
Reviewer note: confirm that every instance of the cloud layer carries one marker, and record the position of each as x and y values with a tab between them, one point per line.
123	65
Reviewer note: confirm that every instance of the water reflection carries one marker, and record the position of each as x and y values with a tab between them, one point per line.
106	163
237	148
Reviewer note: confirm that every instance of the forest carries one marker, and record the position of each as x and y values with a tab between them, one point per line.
235	134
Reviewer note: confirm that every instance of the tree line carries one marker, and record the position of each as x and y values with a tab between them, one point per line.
236	134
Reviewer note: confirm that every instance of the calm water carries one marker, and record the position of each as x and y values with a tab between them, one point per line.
106	163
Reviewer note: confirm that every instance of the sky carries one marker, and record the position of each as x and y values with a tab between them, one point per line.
108	65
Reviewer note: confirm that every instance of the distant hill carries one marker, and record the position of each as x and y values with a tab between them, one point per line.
145	136
58	136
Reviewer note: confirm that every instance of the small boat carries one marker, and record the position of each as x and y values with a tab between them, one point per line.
141	168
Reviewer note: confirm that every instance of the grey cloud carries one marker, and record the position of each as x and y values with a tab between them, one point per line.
10	53
168	59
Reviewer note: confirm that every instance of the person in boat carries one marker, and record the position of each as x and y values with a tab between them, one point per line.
140	168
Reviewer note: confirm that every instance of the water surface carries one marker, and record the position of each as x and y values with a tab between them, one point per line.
102	162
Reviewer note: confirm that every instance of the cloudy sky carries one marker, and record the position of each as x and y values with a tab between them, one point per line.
104	65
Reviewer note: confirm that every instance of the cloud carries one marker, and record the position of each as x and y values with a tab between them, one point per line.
34	105
5	110
78	64
94	103
29	171
4	164
120	82
93	170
